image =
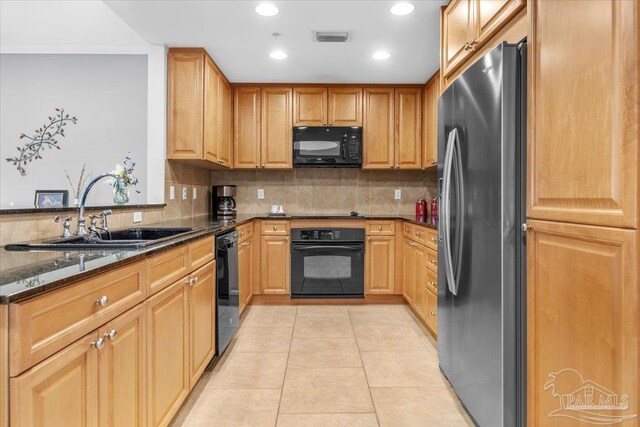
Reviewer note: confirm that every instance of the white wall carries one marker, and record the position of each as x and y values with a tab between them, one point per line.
108	95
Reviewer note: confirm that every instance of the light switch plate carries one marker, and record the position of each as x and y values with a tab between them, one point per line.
195	193
137	217
398	194
260	193
184	193
172	193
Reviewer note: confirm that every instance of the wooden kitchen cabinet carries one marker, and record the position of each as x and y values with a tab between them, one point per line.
276	136
245	271
432	311
246	127
467	24
121	370
420	280
167	352
380	265
592	176
378	129
201	297
310	106
430	122
408	270
408	128
275	265
199	109
582	311
345	106
60	391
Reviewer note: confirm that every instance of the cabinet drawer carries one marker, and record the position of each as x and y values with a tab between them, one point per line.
200	252
167	267
432	238
275	228
432	310
408	231
432	281
48	323
432	260
245	232
380	228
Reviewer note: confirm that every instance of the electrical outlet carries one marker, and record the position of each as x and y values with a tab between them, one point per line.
260	193
172	193
137	217
398	194
195	193
184	193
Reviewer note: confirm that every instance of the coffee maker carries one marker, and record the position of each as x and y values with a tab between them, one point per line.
223	204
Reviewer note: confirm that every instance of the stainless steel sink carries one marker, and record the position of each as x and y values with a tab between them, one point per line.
131	238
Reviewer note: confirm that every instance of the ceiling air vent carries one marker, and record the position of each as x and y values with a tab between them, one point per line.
332	36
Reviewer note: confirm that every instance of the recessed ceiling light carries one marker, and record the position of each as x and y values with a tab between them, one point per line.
278	54
381	55
402	8
266	9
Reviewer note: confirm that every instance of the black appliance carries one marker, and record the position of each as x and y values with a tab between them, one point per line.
327	263
327	147
481	247
228	301
223	204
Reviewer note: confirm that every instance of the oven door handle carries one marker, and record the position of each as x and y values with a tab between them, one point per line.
299	247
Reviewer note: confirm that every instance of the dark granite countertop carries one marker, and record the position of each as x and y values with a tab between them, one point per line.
24	274
34	210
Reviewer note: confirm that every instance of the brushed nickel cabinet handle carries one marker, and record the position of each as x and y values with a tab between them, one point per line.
98	344
102	301
380	228
275	227
112	334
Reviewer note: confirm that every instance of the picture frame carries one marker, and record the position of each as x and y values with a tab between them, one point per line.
51	198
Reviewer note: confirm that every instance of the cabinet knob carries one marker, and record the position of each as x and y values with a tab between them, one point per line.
369	238
286	238
221	162
324	124
275	227
418	234
98	344
379	228
433	239
102	301
257	166
112	334
434	162
433	283
433	314
262	166
434	262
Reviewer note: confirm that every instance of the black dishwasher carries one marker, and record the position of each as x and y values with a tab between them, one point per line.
228	301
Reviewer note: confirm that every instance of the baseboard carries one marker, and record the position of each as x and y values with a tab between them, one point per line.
287	300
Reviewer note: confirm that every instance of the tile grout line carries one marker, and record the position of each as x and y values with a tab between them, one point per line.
286	366
373	403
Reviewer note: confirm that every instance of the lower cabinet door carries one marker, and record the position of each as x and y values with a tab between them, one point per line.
420	280
167	362
582	320
432	310
121	374
408	273
245	271
202	320
60	391
379	265
275	265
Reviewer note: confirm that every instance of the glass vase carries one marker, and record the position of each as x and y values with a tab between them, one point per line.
120	196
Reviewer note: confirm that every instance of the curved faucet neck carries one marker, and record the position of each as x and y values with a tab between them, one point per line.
83	198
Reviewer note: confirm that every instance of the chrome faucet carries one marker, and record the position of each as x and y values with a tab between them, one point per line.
82	231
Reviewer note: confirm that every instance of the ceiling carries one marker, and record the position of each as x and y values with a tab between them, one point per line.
239	40
87	26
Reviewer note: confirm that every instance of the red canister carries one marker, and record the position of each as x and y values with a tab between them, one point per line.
434	208
421	208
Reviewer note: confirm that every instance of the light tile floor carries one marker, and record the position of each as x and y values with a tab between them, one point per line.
324	365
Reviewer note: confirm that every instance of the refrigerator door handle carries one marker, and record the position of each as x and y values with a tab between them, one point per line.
445	206
457	169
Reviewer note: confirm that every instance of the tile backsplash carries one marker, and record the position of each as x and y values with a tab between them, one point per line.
329	191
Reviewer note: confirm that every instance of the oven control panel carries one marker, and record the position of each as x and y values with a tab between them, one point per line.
320	234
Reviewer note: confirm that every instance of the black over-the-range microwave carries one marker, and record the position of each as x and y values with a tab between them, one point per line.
327	147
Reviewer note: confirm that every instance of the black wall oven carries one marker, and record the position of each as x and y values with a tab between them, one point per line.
327	147
327	263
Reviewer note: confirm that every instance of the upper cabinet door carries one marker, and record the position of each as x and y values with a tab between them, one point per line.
378	128
211	109
345	106
583	152
430	122
185	104
408	112
277	133
246	128
225	123
491	15
310	106
458	30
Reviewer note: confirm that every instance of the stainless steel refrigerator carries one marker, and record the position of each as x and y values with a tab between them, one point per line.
481	250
